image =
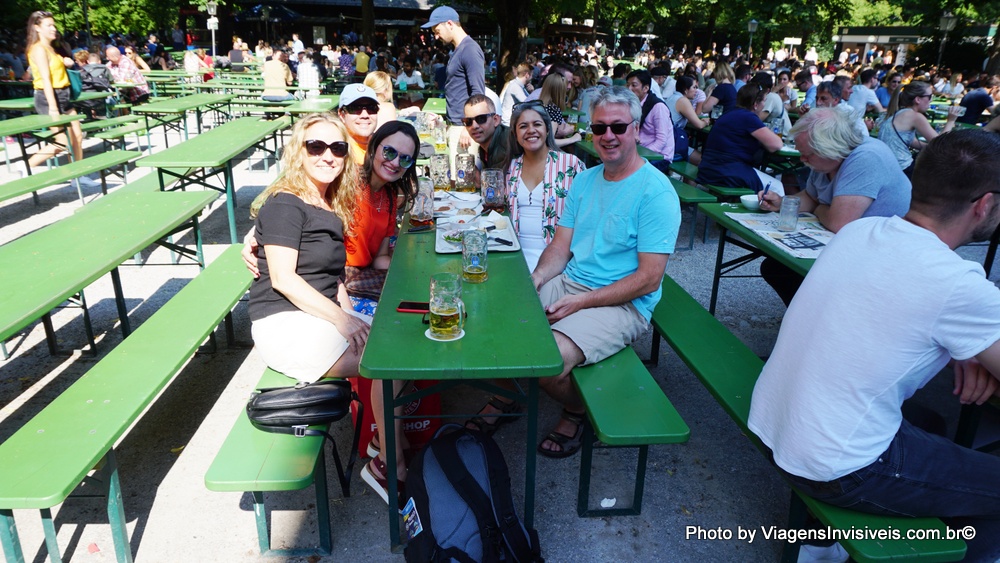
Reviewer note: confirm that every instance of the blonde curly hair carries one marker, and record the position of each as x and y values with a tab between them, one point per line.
342	195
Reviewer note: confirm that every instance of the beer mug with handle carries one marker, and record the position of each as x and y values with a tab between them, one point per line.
494	190
423	206
447	316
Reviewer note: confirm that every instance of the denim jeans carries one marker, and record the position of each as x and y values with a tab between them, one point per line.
921	474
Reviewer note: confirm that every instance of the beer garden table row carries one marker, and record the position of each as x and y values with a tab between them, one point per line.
213	152
51	265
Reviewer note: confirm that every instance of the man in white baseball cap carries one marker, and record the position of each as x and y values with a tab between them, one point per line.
359	112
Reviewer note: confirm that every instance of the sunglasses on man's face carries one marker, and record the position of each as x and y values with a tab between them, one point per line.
316	147
616	128
390	154
356	109
480	119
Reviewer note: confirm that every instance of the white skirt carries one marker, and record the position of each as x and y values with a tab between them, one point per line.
298	344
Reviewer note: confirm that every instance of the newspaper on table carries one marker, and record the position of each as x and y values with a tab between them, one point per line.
807	241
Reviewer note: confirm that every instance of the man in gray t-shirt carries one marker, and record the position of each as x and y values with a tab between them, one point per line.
867	182
466	74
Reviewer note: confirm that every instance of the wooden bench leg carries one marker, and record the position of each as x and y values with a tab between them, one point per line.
797	515
586	462
968	422
8	537
654	349
51	543
116	510
322	519
51	341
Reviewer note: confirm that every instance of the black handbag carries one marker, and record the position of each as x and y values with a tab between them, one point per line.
307	409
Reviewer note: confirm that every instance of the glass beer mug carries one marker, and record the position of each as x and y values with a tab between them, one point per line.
474	254
494	190
447	316
440	172
423	206
465	168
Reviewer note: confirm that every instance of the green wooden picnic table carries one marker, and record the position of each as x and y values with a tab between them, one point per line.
213	152
162	112
15	127
590	153
506	336
753	243
28	104
49	266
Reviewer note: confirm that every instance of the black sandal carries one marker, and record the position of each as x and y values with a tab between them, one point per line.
568	445
490	428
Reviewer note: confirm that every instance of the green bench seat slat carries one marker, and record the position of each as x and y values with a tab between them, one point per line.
65	173
685	169
148	183
50	455
689	194
254	460
102	124
625	404
729	371
728	192
132	128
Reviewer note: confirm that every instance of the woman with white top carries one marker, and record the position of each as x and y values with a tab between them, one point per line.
538	180
952	87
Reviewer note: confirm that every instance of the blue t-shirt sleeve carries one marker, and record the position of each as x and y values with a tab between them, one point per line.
865	171
810	97
280	221
659	215
580	185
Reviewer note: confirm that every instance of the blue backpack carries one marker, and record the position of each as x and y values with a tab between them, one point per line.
459	486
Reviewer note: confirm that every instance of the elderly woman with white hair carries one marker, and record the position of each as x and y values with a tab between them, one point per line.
851	176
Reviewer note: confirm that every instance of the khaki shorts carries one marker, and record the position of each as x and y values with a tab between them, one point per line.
599	331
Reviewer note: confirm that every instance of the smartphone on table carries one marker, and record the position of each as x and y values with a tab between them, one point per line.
414	307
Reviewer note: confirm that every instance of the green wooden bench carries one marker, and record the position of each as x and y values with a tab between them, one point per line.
729	371
115	137
689	171
690	197
256	461
67	172
685	170
47	458
626	409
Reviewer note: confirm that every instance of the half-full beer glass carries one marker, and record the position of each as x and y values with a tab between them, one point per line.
447	316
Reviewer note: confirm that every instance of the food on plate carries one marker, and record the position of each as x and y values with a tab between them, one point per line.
454	237
443	209
466	211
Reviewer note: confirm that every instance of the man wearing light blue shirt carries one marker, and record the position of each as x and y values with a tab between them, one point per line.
599	279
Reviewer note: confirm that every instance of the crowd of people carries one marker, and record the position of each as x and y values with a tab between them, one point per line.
597	240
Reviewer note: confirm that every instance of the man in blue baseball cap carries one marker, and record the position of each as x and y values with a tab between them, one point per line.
466	74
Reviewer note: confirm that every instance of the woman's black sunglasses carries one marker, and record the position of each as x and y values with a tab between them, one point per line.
390	154
316	148
616	128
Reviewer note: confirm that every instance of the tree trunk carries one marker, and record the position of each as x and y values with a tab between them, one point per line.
368	23
993	64
513	38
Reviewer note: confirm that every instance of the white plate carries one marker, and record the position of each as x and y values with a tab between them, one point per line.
442	246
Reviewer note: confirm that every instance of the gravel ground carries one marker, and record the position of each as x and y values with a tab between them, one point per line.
715	481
